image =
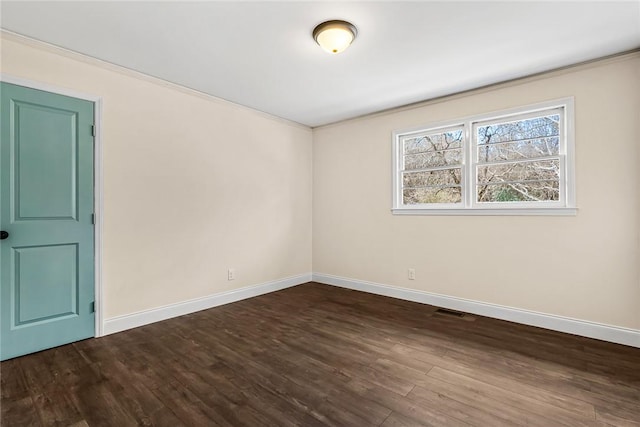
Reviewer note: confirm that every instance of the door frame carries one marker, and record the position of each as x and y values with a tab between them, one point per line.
98	181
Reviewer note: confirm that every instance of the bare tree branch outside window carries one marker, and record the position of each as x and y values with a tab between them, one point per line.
515	160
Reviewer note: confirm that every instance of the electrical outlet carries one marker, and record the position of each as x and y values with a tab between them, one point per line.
231	274
411	273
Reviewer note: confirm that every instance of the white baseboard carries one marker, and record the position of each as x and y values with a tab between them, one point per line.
141	318
630	337
615	334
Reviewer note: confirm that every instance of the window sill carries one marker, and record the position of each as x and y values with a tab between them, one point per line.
486	211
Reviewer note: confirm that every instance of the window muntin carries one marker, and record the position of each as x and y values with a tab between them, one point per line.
431	169
518	158
515	160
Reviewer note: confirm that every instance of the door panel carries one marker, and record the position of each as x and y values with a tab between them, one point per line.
46	283
37	165
46	206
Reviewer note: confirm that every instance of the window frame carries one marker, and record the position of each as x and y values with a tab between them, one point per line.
566	205
463	151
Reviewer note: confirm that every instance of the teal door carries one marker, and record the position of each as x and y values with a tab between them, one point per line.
46	207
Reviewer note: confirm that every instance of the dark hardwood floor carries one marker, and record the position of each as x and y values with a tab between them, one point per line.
317	355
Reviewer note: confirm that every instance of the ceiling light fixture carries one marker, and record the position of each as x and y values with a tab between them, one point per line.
335	36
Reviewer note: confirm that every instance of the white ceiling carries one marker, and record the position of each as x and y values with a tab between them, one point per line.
261	54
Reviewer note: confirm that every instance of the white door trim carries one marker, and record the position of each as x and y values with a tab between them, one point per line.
97	180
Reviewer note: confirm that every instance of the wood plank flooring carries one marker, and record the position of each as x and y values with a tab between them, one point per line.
317	355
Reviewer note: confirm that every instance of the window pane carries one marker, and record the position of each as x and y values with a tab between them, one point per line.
536	127
527	149
533	191
445	177
542	170
415	196
433	159
433	142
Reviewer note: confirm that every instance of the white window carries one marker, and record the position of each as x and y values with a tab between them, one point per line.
511	162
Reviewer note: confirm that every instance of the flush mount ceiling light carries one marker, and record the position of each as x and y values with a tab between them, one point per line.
334	36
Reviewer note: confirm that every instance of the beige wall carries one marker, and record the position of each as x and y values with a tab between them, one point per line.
192	185
594	274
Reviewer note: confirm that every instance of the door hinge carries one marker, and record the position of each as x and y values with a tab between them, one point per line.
93	219
92	307
93	130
